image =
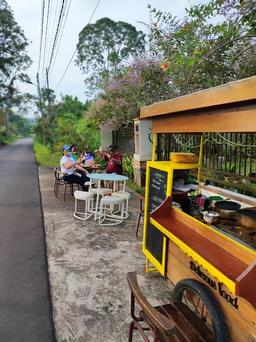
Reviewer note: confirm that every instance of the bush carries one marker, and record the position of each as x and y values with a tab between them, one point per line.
127	166
44	155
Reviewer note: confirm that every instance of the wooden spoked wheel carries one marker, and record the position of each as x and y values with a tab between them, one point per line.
199	306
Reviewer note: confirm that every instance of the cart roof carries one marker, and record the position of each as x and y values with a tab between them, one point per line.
227	108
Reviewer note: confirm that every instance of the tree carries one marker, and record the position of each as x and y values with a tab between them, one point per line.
199	52
68	124
104	46
13	57
46	121
141	83
73	125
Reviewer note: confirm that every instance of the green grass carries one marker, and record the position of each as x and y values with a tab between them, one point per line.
44	156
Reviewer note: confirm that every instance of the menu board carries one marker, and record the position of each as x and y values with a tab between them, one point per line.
157	195
157	188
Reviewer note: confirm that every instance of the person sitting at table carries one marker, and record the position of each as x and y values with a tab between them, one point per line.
114	160
88	156
73	151
78	168
69	166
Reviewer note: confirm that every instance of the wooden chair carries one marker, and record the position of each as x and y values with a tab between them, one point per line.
164	323
59	181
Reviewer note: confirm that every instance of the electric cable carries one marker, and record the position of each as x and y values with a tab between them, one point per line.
61	34
41	36
73	55
46	33
56	35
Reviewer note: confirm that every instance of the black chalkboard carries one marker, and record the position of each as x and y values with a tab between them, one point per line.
157	195
154	242
157	188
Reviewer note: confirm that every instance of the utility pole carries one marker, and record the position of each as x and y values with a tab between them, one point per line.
41	107
48	93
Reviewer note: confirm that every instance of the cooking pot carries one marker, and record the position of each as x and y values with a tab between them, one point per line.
227	209
247	217
214	199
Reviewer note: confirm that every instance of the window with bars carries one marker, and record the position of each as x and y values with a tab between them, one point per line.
229	159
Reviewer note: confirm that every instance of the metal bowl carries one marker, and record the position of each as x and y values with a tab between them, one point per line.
210	216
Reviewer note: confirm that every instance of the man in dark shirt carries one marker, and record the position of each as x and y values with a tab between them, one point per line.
114	160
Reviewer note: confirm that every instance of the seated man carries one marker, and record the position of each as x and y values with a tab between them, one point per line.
72	155
73	151
114	160
68	166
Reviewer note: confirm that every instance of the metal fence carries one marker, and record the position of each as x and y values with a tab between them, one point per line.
229	159
124	139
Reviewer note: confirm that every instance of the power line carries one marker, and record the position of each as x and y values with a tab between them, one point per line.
53	25
41	36
73	55
56	34
62	30
46	33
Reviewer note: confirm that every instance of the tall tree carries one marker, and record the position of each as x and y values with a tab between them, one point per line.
104	46
13	57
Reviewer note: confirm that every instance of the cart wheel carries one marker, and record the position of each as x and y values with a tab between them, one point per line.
200	307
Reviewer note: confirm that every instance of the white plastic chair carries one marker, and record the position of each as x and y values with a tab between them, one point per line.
87	197
107	215
126	196
99	193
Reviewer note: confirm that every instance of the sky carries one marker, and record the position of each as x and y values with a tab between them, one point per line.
28	15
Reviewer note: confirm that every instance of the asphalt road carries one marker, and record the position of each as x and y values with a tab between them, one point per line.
25	305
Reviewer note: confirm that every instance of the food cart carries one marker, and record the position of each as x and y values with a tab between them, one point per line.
214	272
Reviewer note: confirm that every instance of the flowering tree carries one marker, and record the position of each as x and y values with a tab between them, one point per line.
214	44
142	83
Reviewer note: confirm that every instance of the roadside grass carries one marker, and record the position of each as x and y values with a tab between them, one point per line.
44	156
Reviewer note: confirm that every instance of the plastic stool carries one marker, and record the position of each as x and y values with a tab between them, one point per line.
87	197
106	215
126	196
102	191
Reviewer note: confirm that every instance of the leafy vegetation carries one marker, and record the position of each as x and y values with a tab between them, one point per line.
142	83
128	166
44	155
104	47
65	122
13	62
214	44
13	57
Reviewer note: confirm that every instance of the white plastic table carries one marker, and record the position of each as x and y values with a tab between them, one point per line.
114	177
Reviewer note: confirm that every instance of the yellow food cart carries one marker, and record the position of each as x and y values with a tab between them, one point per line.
214	273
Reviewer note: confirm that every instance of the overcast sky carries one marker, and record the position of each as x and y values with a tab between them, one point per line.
28	15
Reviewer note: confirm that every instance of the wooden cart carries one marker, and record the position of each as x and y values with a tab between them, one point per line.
214	274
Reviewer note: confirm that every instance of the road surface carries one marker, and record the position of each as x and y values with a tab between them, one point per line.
25	305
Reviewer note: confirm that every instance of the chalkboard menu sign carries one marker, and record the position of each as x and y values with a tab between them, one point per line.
157	188
157	195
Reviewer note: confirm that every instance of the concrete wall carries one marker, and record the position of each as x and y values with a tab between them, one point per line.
143	149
